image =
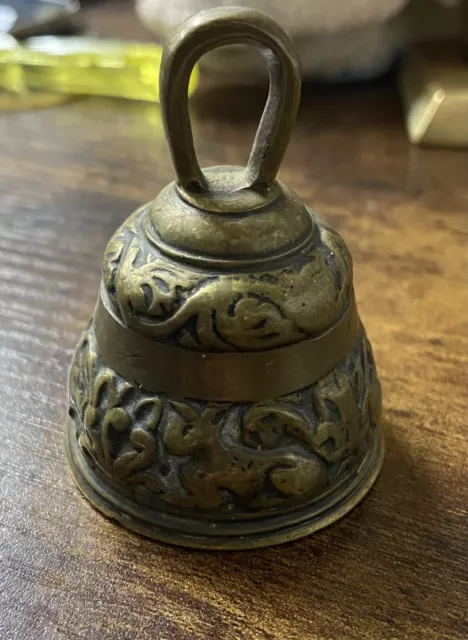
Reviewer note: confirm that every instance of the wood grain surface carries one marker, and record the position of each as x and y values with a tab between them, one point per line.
396	567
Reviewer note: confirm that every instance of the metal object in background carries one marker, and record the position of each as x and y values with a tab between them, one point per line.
37	17
22	19
224	395
434	88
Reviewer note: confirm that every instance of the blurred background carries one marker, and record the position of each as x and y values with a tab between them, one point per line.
82	147
99	49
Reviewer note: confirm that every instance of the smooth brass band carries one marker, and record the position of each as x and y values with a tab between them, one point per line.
234	377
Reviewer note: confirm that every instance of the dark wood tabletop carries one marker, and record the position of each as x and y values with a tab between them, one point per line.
397	566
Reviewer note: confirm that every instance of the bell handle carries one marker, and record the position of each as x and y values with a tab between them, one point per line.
196	36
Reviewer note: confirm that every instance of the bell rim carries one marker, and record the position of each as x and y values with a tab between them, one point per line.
109	502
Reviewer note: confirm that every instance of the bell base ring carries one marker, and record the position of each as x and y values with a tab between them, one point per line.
206	534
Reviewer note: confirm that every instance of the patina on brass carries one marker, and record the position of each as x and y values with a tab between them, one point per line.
224	394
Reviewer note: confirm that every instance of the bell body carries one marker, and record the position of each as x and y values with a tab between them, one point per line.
224	394
221	471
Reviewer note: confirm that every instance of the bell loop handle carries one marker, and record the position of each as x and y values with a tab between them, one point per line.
193	38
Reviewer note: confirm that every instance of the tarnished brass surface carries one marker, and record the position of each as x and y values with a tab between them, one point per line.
224	475
230	376
225	394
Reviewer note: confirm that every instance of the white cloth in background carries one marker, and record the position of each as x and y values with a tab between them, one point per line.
335	39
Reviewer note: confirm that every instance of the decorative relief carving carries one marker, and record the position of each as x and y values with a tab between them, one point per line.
234	457
224	311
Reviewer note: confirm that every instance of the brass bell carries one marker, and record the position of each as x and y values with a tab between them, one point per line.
224	395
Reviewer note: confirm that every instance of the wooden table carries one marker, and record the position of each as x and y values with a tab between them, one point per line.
397	566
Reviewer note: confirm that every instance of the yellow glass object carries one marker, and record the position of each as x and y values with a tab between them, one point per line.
14	93
11	74
85	66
